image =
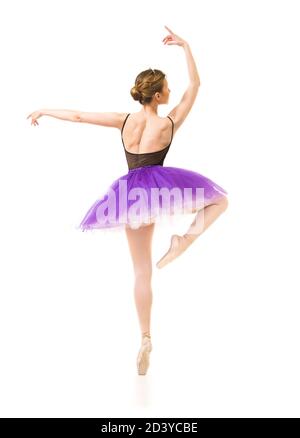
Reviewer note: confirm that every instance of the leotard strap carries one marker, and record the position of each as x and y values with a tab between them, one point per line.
151	152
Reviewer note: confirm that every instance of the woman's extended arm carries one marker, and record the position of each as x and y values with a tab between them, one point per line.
71	115
111	119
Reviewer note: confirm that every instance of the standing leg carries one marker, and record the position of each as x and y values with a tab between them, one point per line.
139	241
203	219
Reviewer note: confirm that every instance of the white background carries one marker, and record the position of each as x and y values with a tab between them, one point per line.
225	315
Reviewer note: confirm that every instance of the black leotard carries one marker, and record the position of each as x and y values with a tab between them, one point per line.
148	158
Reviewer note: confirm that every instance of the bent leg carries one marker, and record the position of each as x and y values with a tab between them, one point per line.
203	219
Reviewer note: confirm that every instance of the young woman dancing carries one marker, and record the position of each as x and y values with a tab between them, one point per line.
146	139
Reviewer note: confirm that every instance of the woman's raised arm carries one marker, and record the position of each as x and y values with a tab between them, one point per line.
173	39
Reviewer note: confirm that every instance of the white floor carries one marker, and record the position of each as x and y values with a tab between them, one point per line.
224	328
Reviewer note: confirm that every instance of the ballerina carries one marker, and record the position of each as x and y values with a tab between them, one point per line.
146	139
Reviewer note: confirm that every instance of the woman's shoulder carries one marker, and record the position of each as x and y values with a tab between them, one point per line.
136	118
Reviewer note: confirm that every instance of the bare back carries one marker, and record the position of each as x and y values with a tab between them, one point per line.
142	135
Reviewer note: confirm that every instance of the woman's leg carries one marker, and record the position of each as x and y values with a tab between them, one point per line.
139	241
203	219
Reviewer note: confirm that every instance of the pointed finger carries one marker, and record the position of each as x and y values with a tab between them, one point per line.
168	29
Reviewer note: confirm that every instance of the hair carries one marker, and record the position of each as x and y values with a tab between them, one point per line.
147	83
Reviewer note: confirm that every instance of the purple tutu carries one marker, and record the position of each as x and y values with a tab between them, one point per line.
149	194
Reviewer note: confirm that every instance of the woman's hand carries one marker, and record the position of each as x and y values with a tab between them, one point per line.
34	116
173	39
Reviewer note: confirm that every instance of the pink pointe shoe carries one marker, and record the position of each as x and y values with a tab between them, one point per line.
178	245
143	355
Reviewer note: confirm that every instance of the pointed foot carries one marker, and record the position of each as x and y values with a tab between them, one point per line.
177	247
143	359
